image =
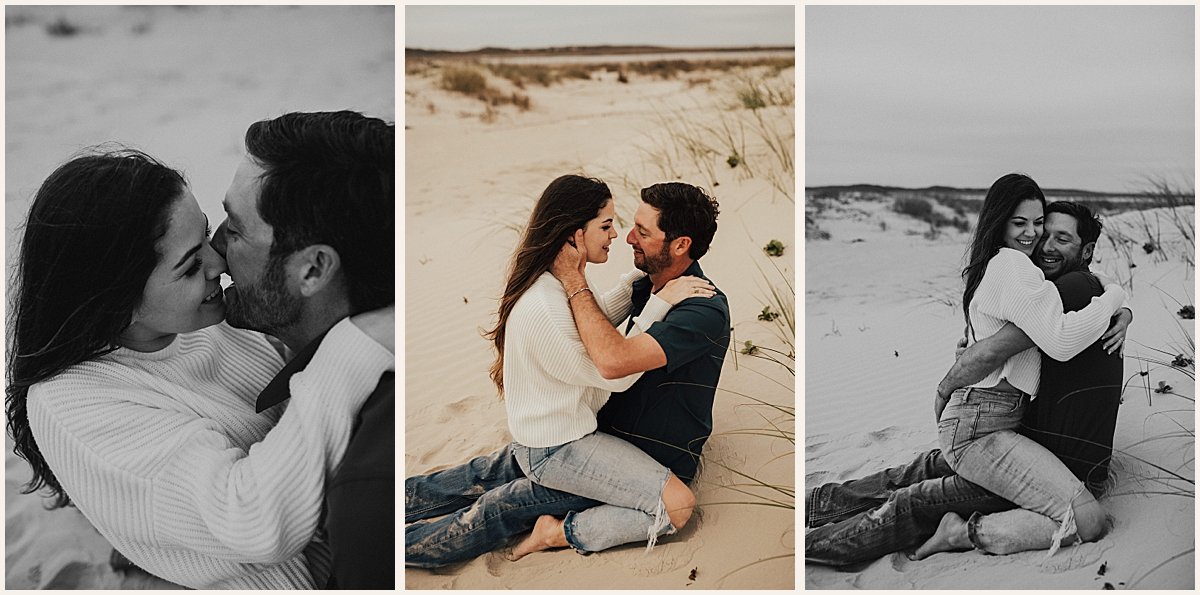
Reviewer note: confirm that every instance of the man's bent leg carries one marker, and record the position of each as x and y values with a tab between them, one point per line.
905	520
487	524
448	490
834	502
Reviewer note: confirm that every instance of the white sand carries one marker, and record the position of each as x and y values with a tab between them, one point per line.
465	181
879	335
184	91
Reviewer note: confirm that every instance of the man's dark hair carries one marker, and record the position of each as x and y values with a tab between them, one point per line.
684	210
330	178
1087	224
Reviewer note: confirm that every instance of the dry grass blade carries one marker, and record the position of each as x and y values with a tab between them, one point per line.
755	563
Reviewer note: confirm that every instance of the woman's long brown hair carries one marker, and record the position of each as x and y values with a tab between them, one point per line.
566	205
1002	200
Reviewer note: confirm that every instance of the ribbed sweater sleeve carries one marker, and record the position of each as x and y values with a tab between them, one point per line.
617	302
166	457
655	310
263	505
552	389
1015	290
553	345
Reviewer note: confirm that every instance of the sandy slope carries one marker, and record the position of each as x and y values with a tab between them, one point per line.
467	180
879	335
183	89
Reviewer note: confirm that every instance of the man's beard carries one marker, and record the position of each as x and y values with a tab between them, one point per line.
654	264
265	306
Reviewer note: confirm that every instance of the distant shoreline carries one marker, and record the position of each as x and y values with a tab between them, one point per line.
593	50
965	192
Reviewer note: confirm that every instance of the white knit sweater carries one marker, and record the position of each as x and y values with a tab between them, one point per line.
164	453
552	389
1014	290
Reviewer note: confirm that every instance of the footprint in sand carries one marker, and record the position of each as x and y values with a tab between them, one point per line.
495	562
874	438
816	440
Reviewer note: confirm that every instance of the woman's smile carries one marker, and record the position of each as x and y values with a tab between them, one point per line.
214	296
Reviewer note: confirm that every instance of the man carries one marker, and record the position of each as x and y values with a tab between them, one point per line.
1074	416
667	412
309	241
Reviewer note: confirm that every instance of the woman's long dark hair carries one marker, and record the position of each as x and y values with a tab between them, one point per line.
566	205
88	248
1002	200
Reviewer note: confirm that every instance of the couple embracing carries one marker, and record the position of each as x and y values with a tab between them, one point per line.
218	439
1026	414
608	394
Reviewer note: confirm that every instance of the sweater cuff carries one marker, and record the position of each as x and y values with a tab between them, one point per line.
655	310
348	363
1114	295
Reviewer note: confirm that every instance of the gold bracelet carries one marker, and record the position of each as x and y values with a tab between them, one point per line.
577	292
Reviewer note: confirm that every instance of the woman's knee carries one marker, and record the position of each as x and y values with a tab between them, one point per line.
679	500
1090	519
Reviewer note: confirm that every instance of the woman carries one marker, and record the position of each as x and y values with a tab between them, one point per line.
552	390
131	399
977	427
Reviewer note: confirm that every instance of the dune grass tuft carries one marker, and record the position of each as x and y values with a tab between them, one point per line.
63	28
463	79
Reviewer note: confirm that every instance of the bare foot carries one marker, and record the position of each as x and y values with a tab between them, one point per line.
951	536
547	533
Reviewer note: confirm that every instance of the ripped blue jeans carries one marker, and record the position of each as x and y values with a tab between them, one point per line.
610	470
456	514
977	433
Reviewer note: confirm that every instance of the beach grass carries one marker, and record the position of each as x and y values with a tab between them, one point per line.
463	79
1166	369
755	143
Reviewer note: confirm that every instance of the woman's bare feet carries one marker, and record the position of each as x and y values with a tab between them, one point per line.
547	533
951	536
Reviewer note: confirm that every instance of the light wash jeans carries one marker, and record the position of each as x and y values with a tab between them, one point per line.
610	470
466	511
892	510
979	441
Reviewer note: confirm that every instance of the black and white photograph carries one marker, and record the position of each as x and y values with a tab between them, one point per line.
999	336
200	210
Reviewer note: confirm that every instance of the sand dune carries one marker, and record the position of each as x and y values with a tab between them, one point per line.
470	183
879	335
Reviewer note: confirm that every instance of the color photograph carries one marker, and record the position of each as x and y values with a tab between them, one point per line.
600	274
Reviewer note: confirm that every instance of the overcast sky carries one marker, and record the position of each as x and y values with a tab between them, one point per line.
531	26
1088	97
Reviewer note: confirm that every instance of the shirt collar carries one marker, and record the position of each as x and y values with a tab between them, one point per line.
278	390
